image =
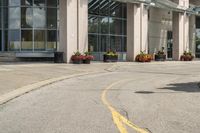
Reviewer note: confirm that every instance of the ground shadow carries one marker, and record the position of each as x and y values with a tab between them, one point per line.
183	87
191	87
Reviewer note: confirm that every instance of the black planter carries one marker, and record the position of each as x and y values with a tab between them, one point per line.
160	57
77	61
110	58
86	61
58	57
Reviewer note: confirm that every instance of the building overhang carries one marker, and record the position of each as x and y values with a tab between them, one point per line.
166	4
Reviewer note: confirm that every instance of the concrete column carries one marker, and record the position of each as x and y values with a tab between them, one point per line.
68	28
137	30
192	34
180	31
83	25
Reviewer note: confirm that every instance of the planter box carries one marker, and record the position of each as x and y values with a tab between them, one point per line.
77	61
86	61
160	57
187	58
110	58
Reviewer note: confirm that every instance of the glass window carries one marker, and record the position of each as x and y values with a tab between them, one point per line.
14	18
5	2
104	7
14	40
52	3
118	9
116	43
5	40
26	40
14	2
26	17
52	18
104	24
39	40
26	2
93	43
39	17
39	2
93	24
5	17
51	40
117	26
107	22
93	7
104	43
0	40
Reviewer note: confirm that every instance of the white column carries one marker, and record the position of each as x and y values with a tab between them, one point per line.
180	31
83	25
137	30
73	27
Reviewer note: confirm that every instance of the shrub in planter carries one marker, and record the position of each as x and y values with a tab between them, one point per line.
77	58
187	56
110	56
143	57
87	58
160	56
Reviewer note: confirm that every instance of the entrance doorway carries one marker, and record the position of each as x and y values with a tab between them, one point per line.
169	44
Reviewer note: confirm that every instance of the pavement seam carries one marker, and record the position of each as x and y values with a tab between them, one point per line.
28	88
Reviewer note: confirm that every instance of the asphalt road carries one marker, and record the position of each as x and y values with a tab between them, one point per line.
144	98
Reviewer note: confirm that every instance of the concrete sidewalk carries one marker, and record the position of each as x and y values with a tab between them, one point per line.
17	75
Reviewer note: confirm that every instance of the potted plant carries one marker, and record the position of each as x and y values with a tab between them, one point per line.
77	58
87	58
110	56
160	56
187	56
143	57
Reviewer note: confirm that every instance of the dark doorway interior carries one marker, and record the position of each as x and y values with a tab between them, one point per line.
169	44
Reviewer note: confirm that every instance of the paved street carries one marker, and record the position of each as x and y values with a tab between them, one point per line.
158	97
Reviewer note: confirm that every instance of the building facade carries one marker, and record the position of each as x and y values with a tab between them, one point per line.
38	28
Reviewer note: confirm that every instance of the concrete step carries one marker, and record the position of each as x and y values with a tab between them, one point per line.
7	57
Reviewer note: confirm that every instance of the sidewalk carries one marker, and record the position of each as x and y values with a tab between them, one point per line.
17	75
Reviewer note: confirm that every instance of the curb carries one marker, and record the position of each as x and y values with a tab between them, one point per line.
26	89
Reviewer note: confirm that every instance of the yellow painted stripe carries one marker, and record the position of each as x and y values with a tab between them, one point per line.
120	121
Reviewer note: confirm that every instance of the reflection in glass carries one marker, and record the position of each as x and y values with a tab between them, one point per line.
26	2
39	40
52	18
93	43
5	17
53	3
93	24
104	7
93	7
39	2
14	40
107	22
26	17
104	25
26	40
116	43
117	26
14	18
104	43
51	40
39	17
14	2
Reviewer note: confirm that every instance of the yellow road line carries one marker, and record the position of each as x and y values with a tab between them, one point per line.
120	121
